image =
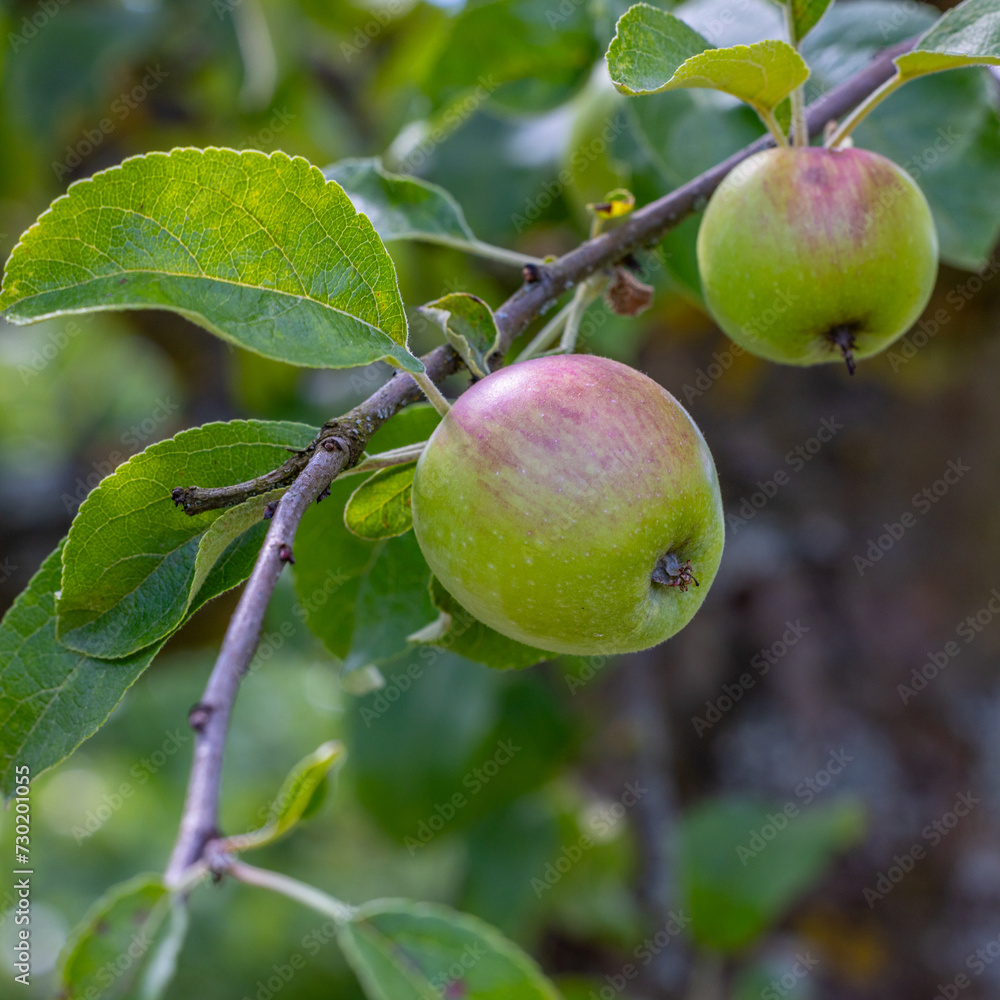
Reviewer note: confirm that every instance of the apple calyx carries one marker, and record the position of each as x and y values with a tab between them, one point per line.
671	572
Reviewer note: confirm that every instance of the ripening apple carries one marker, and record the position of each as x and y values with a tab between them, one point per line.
809	255
571	503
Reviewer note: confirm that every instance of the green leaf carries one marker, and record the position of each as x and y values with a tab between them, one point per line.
744	864
504	851
469	326
334	567
508	734
649	46
654	51
105	951
381	506
231	524
762	74
298	791
261	250
393	602
418	951
135	566
161	967
401	207
805	15
51	698
457	630
966	35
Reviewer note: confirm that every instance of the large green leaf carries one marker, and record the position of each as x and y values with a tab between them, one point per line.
135	566
346	584
393	602
418	951
107	949
966	35
654	51
762	74
743	864
400	207
51	698
649	46
261	250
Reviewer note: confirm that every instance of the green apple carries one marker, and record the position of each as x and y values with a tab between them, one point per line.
809	255
571	503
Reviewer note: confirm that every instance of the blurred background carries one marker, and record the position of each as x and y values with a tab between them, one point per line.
799	795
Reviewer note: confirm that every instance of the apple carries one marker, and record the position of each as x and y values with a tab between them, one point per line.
809	255
570	503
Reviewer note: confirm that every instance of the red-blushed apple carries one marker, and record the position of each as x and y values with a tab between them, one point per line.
571	503
809	255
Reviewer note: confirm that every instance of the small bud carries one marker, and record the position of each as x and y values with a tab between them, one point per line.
199	715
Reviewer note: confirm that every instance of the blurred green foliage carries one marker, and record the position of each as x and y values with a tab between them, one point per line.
506	105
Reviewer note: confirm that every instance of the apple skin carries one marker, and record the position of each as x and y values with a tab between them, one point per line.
797	243
547	495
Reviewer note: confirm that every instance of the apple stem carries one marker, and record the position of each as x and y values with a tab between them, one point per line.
585	293
800	133
843	337
387	459
864	109
432	392
799	130
767	117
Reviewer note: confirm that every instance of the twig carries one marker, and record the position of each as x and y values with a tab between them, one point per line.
656	812
642	228
210	717
341	442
